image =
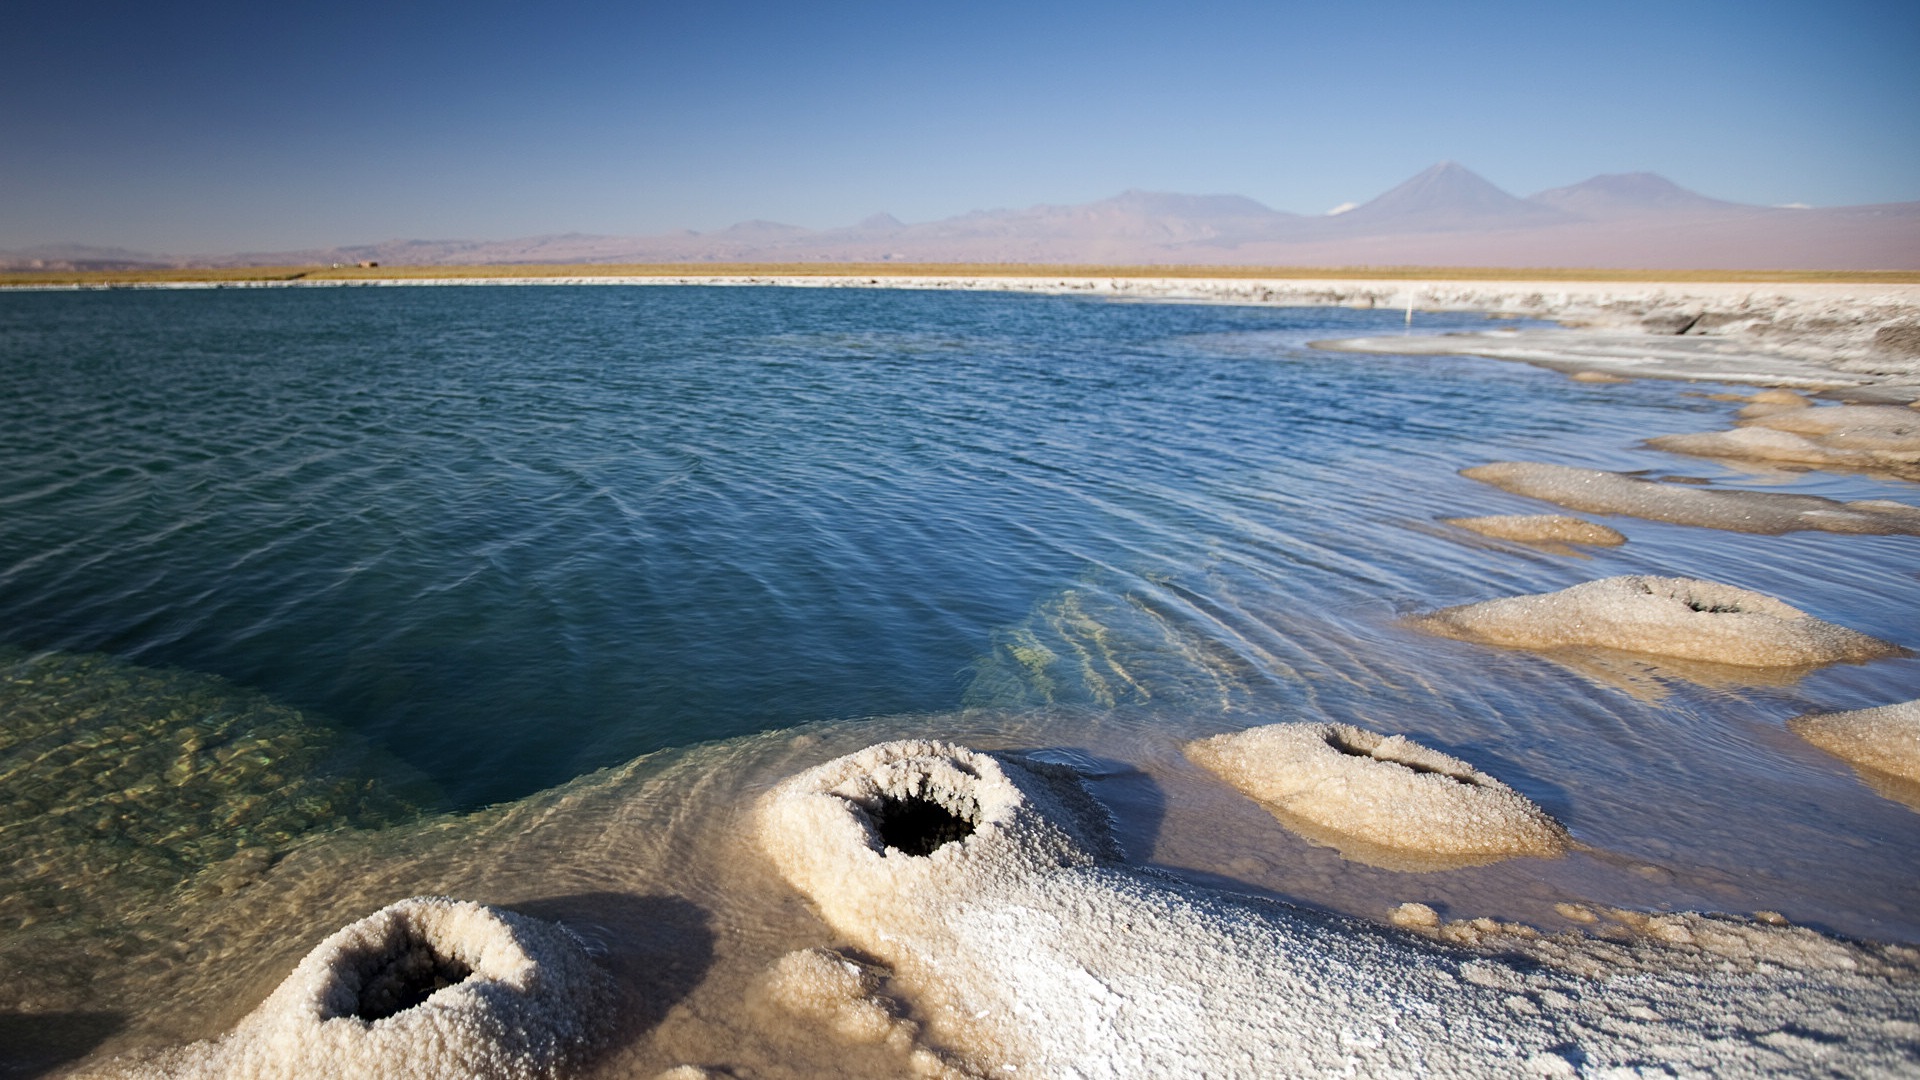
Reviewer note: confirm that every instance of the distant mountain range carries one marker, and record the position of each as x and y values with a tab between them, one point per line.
1445	216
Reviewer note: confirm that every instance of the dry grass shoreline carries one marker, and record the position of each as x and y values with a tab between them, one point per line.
266	275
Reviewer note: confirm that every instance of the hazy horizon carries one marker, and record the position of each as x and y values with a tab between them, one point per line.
751	223
235	128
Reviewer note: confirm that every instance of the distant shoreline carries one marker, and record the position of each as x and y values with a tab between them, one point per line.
888	272
1854	333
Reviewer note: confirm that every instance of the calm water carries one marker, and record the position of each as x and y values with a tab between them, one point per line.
514	534
460	545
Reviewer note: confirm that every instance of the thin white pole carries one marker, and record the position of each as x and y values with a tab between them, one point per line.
1409	308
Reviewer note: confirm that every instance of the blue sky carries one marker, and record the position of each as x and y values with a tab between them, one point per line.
215	127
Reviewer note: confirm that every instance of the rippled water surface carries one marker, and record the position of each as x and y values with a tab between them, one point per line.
370	553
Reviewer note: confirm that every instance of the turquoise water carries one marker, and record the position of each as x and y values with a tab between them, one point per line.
515	534
379	553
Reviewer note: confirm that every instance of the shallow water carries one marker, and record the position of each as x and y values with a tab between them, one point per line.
471	543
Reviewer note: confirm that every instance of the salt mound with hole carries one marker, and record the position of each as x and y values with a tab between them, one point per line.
1661	616
1388	791
989	888
1540	529
425	987
1595	491
1885	740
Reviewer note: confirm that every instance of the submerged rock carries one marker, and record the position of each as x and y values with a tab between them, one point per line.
130	795
988	887
1595	491
425	987
1385	791
1881	744
1661	616
126	783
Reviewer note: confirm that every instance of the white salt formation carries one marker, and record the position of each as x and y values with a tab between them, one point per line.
427	987
843	995
1597	492
1875	437
1540	529
1770	401
1819	336
1661	616
1881	427
987	887
1883	741
1612	942
1391	792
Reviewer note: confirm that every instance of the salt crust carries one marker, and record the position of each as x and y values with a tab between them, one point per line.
1613	942
1597	492
1661	616
1027	942
844	994
1883	740
1880	437
1766	402
1775	399
1388	791
533	1006
1540	529
839	991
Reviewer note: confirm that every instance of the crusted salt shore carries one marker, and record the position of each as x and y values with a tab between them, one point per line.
1385	791
1828	337
1598	492
843	994
1876	437
424	987
990	890
1612	942
1540	529
1661	616
1880	744
1864	337
1768	401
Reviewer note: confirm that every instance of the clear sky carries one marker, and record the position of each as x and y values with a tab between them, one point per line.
224	126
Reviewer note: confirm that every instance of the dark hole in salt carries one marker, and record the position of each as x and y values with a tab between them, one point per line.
917	826
1334	740
1712	609
398	980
